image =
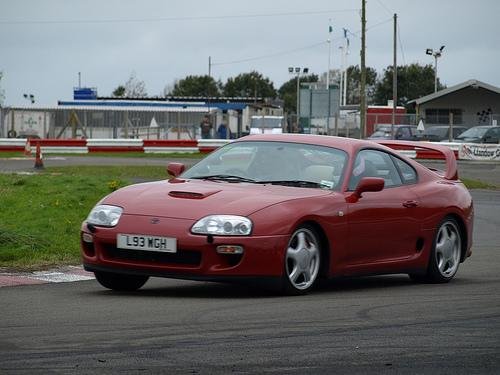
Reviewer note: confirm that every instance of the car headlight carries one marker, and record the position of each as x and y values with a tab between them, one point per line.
224	225
105	215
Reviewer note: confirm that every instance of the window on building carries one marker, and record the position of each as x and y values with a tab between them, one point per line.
442	115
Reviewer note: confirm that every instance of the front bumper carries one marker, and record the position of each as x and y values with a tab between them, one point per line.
196	256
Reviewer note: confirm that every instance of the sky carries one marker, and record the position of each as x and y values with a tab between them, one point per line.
44	44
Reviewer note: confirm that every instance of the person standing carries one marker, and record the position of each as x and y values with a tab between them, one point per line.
223	131
206	128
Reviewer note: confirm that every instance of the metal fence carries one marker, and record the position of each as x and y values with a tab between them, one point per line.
62	123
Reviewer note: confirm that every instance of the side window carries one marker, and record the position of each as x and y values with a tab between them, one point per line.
495	133
405	133
408	174
373	163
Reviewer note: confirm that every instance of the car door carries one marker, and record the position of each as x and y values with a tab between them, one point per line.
383	225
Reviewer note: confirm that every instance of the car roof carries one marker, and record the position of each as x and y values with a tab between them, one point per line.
395	125
445	126
342	143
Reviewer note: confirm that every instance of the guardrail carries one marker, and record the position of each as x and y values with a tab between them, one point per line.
463	151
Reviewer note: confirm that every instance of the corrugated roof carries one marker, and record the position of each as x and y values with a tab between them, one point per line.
470	83
135	108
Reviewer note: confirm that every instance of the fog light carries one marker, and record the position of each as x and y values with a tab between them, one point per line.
230	249
87	238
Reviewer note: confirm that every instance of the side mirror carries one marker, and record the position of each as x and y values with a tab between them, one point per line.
366	184
175	169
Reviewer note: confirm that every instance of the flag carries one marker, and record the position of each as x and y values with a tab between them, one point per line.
345	36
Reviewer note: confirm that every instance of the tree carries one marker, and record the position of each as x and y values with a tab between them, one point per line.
414	81
135	88
288	91
251	84
354	81
119	92
196	86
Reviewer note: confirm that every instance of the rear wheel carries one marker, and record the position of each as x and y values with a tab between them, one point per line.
445	254
302	261
120	282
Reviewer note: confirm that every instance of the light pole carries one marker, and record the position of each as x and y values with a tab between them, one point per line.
298	71
29	97
436	54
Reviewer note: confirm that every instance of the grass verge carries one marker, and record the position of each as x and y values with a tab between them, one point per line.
40	215
477	184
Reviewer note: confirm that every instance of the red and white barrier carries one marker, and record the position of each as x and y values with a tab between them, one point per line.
463	151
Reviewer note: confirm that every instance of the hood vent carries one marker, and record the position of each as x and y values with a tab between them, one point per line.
190	194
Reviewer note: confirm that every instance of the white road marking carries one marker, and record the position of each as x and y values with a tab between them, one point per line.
64	275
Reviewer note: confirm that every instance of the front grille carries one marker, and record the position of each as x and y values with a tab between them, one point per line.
188	257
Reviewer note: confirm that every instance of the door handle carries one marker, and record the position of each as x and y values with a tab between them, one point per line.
409	204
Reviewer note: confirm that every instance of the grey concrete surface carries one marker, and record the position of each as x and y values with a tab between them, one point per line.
382	324
26	164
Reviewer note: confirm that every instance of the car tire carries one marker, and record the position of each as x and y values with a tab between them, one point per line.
302	261
445	254
120	282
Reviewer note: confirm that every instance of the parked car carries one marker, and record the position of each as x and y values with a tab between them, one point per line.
401	132
440	133
480	134
286	210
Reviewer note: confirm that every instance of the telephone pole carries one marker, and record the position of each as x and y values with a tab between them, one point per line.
362	94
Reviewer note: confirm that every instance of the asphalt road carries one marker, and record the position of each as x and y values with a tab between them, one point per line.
383	324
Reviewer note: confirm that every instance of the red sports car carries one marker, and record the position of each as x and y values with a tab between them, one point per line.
288	209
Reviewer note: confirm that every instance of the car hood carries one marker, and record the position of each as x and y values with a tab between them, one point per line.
193	199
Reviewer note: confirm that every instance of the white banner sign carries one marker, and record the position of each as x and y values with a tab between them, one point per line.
470	151
30	124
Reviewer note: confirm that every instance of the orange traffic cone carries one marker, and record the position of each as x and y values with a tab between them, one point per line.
38	159
27	148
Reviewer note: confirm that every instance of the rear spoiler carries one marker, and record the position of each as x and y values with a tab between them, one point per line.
451	172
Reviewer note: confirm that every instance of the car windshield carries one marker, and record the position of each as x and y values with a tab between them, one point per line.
476	132
279	163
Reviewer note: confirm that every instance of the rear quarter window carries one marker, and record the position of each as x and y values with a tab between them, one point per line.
407	172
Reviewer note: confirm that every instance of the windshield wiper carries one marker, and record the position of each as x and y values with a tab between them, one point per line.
225	177
298	183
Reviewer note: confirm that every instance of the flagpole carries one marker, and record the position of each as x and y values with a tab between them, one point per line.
346	52
329	40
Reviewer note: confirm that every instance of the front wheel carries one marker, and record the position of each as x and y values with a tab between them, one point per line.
445	254
302	261
120	282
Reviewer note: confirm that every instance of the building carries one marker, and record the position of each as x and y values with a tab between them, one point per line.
90	116
469	103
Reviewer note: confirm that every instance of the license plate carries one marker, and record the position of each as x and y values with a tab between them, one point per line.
148	243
